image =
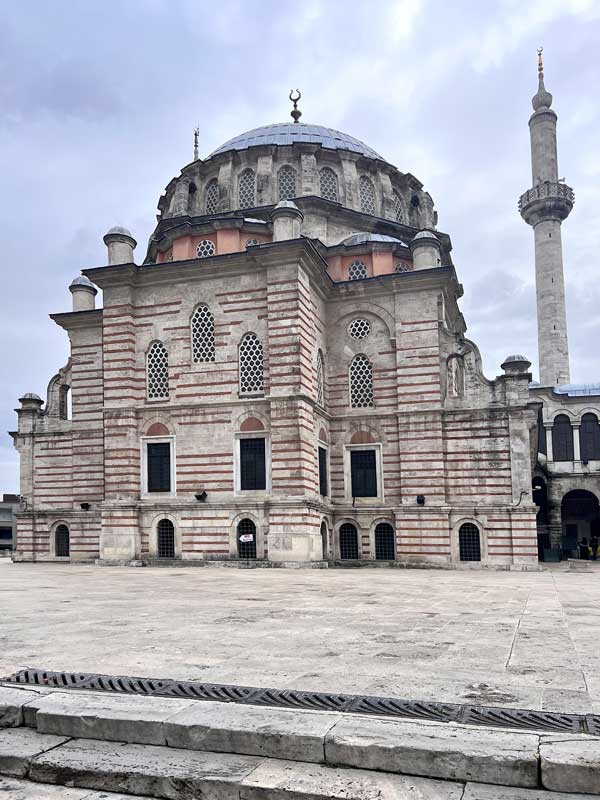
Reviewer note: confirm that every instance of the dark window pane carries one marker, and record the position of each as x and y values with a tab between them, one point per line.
589	437
246	539
159	467
364	473
562	439
348	541
166	539
62	544
384	542
323	471
469	543
253	475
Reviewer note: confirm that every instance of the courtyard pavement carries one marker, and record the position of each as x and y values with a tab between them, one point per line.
524	640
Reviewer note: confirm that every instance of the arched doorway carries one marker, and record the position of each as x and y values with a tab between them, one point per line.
62	541
385	549
324	541
165	539
348	541
580	513
469	542
540	498
246	539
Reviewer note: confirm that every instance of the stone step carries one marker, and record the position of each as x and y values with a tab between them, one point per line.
15	789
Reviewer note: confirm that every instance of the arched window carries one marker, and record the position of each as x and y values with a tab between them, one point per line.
357	270
328	184
246	539
211	196
246	189
562	439
469	542
348	541
366	193
589	438
286	183
320	380
361	382
251	364
398	207
62	541
191	198
385	549
165	539
205	249
324	540
157	371
203	335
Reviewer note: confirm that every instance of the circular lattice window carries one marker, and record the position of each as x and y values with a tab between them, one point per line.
170	255
251	242
359	328
357	270
205	249
401	267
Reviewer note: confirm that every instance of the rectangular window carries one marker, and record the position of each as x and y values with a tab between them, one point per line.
364	473
159	466
253	473
323	489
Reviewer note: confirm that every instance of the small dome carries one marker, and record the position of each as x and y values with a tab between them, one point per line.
119	230
542	98
31	396
81	280
516	364
425	235
361	238
515	358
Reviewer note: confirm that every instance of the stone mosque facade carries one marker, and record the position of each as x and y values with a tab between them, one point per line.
285	378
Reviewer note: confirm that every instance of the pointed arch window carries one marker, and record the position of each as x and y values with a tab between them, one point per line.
366	192
320	379
203	335
211	196
251	365
361	382
562	439
247	189
589	437
286	183
157	372
328	184
398	207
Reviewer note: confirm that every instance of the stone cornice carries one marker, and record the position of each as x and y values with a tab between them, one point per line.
71	320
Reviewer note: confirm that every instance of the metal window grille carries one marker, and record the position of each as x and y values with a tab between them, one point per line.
246	539
246	189
157	371
286	183
203	335
211	197
562	439
401	267
348	541
328	184
158	461
469	542
589	435
357	270
253	473
320	380
366	192
363	470
385	549
324	540
251	365
205	249
165	534
251	242
323	488
62	541
359	328
361	382
398	208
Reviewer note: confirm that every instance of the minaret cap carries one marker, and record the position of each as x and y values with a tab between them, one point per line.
542	98
295	113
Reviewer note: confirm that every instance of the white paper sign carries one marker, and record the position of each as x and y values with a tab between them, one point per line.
247	537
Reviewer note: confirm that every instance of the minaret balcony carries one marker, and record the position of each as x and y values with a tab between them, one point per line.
546	200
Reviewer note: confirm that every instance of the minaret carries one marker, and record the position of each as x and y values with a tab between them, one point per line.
544	207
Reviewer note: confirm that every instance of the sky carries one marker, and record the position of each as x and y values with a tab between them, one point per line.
98	103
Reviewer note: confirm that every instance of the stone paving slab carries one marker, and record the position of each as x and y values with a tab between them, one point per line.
19	745
11	705
571	764
13	789
482	791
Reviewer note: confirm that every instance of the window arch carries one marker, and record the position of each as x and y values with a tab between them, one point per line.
348	541
324	540
157	371
328	184
165	539
398	207
205	249
562	439
357	270
366	193
361	382
211	196
385	545
251	365
62	541
246	539
286	182
469	542
203	335
247	189
320	379
589	438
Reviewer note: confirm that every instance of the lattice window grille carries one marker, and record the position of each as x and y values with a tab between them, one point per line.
246	189
366	192
212	197
157	371
329	184
357	270
246	539
62	544
359	328
361	382
348	541
251	242
251	365
286	181
401	267
170	255
398	208
205	249
203	335
384	542
469	542
165	534
320	380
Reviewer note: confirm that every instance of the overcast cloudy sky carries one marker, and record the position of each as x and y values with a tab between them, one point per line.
98	102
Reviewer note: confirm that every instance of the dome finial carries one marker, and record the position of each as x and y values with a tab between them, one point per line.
542	98
295	112
540	62
196	135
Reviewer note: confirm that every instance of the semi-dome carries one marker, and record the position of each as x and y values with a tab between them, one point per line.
290	132
361	238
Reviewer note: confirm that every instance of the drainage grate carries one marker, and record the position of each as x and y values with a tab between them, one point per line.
316	701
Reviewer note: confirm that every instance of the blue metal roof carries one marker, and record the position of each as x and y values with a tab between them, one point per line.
578	389
290	132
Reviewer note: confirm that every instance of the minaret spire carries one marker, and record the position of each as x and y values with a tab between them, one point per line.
544	207
196	135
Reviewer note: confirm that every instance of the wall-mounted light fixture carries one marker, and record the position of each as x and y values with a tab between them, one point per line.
85	506
420	499
201	496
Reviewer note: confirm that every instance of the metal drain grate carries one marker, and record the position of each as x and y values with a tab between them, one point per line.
317	701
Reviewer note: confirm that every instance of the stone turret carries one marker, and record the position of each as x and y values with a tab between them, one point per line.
425	249
120	245
544	207
84	294
287	219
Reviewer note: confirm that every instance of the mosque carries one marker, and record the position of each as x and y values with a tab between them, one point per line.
285	379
